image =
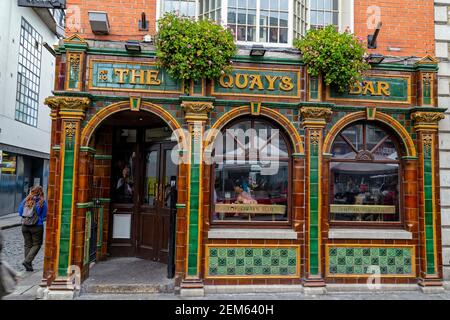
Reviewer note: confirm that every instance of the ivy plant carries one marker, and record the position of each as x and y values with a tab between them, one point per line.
193	50
339	57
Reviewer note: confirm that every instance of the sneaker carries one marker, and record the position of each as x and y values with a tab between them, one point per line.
28	266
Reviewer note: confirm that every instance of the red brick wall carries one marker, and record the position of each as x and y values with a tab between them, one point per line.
123	16
407	24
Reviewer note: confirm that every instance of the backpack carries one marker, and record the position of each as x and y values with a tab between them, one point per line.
29	216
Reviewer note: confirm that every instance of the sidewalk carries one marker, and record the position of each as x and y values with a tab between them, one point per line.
10	221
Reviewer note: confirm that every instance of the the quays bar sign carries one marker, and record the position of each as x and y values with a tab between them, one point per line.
377	88
146	77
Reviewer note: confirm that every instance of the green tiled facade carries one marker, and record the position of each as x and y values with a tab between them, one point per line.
352	261
314	203
66	206
252	262
429	210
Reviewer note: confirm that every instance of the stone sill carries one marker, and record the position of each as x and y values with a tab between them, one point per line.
279	234
384	234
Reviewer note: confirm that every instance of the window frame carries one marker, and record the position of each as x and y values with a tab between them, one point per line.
255	224
400	224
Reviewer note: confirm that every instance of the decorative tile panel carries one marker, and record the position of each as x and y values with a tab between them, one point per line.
348	261
253	262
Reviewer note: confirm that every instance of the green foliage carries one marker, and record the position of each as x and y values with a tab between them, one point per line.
193	50
339	57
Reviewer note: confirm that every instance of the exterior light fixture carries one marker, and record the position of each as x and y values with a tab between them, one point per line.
143	23
375	58
372	38
133	46
99	22
257	51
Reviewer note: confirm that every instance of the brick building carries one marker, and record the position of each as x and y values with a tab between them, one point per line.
356	187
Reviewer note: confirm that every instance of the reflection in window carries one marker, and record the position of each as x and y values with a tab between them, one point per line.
123	173
324	13
251	174
271	25
179	7
364	176
211	9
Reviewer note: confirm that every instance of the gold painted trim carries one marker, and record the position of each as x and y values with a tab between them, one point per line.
296	247
91	75
413	273
298	72
80	71
408	101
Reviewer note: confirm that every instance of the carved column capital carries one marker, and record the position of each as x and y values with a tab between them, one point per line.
68	107
425	120
196	110
315	116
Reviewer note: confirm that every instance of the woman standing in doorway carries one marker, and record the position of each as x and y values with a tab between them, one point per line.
33	211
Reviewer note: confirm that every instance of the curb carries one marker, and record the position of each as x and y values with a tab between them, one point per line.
9	226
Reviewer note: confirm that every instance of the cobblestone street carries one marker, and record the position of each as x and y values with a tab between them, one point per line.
13	250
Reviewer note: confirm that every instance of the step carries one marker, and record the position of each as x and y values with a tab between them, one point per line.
127	288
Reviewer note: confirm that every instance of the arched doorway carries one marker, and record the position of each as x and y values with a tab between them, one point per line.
142	178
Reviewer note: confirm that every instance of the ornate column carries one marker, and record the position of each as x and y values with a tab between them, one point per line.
430	248
71	113
196	115
314	121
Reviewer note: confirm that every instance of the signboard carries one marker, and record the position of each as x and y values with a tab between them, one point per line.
51	4
131	76
265	82
377	88
249	208
362	209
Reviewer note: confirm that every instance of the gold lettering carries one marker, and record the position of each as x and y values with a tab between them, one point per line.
239	84
271	80
286	84
256	80
140	76
152	77
356	88
383	88
226	83
368	86
121	73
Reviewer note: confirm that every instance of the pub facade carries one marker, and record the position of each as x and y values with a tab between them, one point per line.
264	176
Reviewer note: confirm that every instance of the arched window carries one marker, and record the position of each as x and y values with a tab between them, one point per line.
365	183
250	176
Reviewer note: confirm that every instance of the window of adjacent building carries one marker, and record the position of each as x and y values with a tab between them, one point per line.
251	174
180	7
211	9
324	13
28	75
365	176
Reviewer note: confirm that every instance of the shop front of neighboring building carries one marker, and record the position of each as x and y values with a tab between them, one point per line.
264	176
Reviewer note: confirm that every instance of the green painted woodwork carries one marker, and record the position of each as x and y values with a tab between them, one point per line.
148	78
84	205
66	206
429	210
350	261
271	82
87	237
398	90
252	261
102	157
100	228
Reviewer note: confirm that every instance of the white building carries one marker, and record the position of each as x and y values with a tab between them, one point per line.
442	26
26	77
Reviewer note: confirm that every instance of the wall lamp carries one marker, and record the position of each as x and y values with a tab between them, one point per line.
133	46
143	23
257	50
372	38
375	58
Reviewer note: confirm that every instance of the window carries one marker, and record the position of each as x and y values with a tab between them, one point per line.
28	75
324	13
211	9
180	7
300	17
364	176
251	175
269	24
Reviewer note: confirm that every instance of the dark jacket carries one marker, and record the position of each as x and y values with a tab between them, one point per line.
41	212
